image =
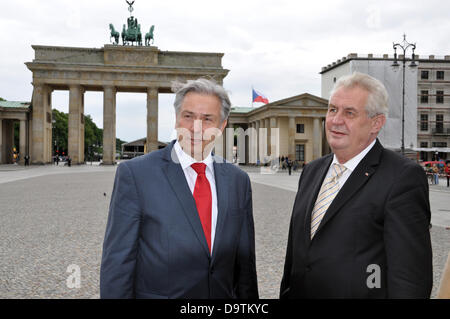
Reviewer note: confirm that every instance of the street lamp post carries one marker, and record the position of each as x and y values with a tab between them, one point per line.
404	46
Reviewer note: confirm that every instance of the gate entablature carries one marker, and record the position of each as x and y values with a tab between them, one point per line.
110	69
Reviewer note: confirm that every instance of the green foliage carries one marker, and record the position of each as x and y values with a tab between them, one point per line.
119	143
60	131
93	136
2	99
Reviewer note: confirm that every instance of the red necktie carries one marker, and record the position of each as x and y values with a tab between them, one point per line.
203	200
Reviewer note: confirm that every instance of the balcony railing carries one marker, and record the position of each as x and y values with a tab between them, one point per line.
440	130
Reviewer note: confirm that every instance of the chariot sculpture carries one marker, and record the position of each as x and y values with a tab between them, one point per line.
131	32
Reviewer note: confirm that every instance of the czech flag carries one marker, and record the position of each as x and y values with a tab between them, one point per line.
258	97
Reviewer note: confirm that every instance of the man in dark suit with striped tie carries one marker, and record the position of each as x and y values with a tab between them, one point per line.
180	221
360	222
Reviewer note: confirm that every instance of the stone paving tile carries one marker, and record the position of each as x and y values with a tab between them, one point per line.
50	222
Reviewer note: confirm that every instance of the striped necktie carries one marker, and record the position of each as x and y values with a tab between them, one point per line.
328	191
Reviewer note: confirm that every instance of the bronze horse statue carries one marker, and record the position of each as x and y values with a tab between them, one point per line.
149	36
114	34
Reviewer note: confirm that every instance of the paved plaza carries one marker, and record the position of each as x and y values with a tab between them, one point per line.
54	217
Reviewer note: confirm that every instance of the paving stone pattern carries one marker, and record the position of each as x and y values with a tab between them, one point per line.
53	221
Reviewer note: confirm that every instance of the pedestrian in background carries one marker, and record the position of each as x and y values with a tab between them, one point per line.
436	174
447	174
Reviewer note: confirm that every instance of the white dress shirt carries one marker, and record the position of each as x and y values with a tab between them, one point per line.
191	176
350	164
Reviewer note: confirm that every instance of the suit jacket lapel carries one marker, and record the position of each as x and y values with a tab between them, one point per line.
362	173
177	180
222	188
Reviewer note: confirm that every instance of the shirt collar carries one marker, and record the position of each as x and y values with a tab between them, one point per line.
353	162
186	160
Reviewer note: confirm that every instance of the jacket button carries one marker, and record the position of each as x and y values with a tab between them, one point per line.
308	268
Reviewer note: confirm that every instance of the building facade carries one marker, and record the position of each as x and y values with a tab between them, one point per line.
12	112
427	100
433	108
110	69
137	148
291	127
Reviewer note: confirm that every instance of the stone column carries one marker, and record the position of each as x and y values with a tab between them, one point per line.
249	144
81	146
274	141
48	124
267	126
1	143
257	125
75	124
317	138
22	141
8	141
263	136
254	143
229	142
109	125
291	137
38	125
152	119
219	142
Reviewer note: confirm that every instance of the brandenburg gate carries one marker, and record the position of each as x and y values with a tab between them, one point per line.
111	69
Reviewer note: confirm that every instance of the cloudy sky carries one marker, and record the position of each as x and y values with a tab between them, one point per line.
278	47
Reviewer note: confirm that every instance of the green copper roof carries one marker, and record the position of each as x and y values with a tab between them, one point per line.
238	109
14	104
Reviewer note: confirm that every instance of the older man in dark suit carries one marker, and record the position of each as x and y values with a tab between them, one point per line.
180	221
360	222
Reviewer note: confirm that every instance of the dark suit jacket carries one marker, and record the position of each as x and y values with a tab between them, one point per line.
154	244
380	217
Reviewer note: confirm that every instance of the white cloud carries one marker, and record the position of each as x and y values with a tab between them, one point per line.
278	47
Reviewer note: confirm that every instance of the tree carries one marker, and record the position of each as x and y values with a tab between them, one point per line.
93	136
60	131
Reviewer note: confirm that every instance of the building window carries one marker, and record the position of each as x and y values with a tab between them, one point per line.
334	80
424	144
300	152
424	75
424	122
424	96
439	123
440	75
439	144
440	97
300	128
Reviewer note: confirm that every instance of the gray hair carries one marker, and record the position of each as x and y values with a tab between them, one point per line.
201	86
377	100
